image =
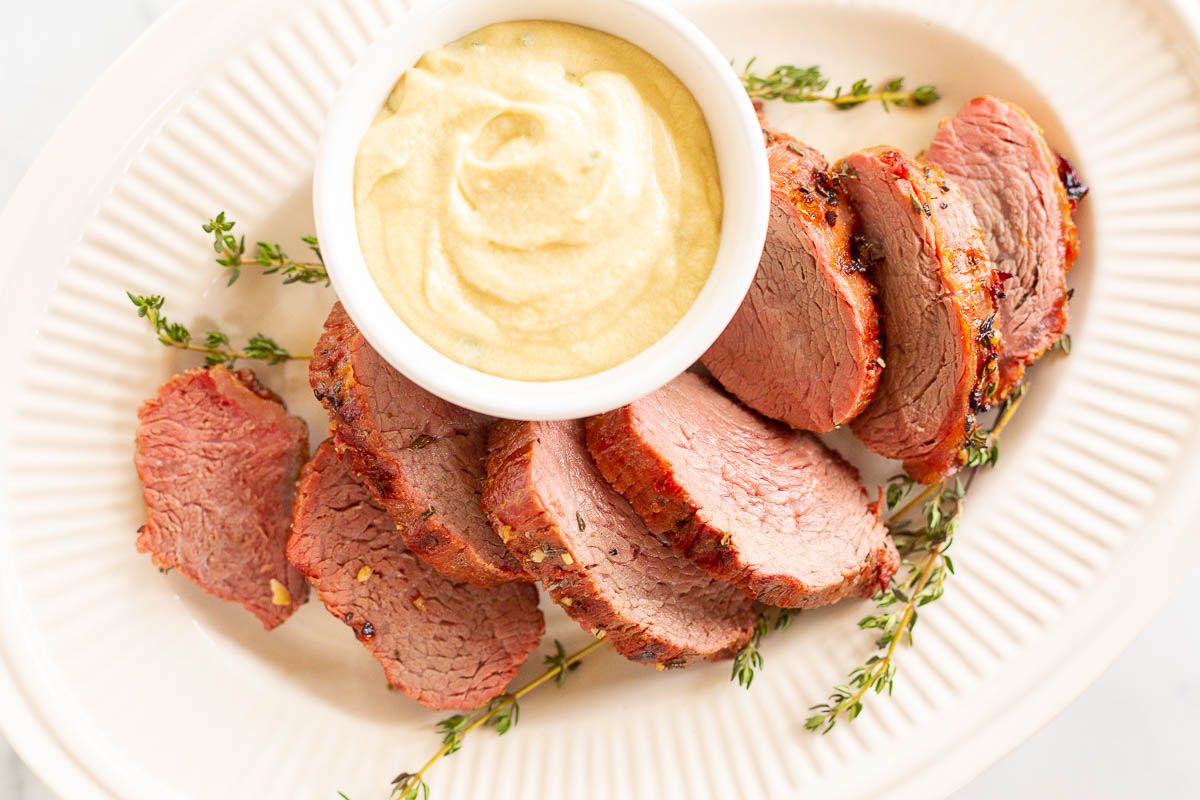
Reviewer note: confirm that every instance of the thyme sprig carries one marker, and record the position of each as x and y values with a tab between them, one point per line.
927	565
750	659
231	254
793	84
981	449
501	714
217	347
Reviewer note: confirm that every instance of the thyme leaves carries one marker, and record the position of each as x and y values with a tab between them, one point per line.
749	659
216	345
231	254
556	662
926	566
793	84
898	488
501	714
981	449
924	557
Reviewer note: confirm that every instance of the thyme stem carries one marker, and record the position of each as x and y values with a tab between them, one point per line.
408	785
883	665
923	583
1005	416
217	347
793	84
898	98
838	100
230	355
311	265
904	510
231	254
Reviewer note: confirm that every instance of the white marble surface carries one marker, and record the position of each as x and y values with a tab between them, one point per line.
1132	734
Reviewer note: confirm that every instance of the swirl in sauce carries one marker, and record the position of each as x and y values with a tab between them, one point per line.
539	200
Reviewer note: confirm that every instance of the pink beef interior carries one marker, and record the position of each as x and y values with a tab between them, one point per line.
997	156
794	510
421	456
924	350
802	346
445	644
218	456
653	603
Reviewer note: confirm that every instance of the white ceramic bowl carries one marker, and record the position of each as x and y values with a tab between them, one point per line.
741	160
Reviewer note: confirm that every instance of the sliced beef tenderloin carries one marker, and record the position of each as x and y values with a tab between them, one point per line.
595	557
804	346
936	295
996	154
771	510
444	643
218	456
421	457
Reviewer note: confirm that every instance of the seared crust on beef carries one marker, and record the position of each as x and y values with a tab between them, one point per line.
595	557
936	293
218	456
443	643
771	510
803	347
421	457
997	155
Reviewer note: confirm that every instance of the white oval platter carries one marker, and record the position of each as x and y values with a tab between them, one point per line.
116	681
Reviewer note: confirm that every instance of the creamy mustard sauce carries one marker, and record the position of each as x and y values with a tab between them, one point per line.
539	200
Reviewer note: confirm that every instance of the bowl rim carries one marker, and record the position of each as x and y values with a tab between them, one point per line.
741	162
